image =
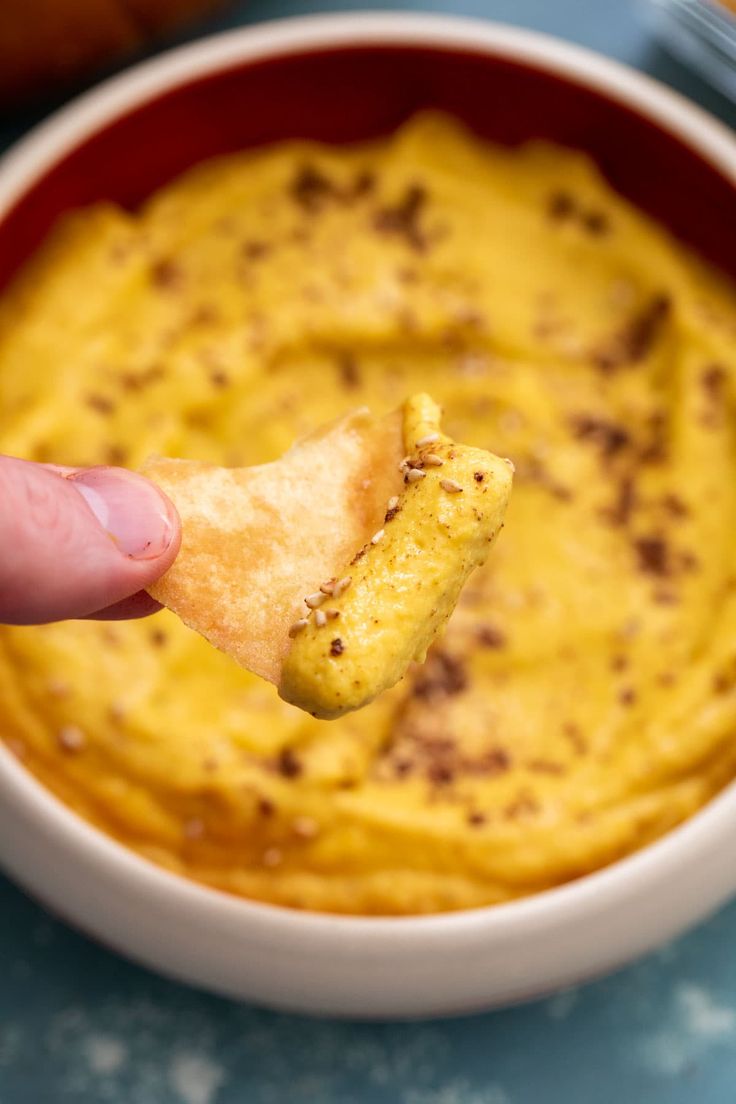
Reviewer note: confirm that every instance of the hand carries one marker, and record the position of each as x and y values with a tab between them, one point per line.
80	542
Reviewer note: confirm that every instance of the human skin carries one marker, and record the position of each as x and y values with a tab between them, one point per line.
80	542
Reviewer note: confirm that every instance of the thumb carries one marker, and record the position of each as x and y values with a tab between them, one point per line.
73	542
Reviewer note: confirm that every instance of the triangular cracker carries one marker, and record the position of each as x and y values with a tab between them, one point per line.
330	570
256	540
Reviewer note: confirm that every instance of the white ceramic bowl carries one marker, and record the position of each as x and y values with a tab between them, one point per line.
315	963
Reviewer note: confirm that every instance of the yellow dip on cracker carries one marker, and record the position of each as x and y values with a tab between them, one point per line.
257	540
582	699
398	592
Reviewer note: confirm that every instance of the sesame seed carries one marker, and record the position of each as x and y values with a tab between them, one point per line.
428	440
306	827
316	599
331	614
393	502
621	293
377	536
328	587
341	586
320	618
193	828
272	856
405	464
510	421
510	463
71	738
298	626
116	712
432	460
450	486
414	475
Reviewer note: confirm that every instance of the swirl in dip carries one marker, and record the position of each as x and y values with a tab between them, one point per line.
583	698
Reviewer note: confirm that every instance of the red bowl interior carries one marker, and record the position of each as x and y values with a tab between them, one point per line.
345	94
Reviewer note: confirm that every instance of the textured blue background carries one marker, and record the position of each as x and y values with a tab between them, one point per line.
79	1024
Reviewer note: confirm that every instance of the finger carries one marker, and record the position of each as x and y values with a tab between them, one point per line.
62	469
138	605
72	544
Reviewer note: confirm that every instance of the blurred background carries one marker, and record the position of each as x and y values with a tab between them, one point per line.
79	1024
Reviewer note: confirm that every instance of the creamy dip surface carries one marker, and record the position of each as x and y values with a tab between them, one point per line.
405	581
582	700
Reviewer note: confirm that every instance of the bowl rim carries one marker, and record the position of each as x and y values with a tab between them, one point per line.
69	126
48	142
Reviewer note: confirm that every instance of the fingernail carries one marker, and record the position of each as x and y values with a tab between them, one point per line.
129	508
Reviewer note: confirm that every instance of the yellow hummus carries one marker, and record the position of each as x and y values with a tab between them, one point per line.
405	583
583	698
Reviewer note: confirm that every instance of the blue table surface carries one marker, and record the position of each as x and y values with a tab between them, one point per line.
78	1023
